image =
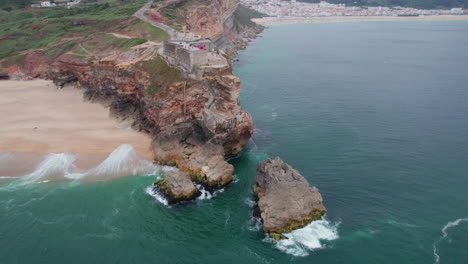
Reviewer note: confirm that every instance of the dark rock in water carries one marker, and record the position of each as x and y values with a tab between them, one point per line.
285	199
177	186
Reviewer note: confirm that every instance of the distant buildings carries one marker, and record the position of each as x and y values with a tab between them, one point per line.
456	11
291	8
47	4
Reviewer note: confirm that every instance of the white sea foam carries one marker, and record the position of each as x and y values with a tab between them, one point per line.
235	178
123	161
250	202
150	190
445	236
206	195
400	224
255	224
54	166
308	238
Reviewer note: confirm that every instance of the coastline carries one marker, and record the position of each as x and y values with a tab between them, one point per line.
39	118
265	21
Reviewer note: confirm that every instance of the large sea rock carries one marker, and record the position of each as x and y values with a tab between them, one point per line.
177	186
285	199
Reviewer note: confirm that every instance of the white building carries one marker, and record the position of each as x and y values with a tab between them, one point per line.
47	4
456	11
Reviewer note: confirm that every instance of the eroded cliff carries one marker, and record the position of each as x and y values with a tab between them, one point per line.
194	123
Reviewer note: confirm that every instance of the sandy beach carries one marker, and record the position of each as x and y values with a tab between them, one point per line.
297	20
38	118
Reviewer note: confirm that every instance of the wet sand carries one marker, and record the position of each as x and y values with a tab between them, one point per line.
36	118
296	20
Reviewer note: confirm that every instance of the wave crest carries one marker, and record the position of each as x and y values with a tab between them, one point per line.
123	161
308	238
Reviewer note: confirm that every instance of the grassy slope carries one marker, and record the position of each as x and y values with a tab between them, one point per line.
26	29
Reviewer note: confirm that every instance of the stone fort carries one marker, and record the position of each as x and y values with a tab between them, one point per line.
189	54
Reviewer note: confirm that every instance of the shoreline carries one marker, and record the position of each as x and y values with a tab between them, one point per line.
38	118
266	21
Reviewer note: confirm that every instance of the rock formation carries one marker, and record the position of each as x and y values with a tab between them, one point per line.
194	123
285	199
177	186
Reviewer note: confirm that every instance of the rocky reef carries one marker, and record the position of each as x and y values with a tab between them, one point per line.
285	200
176	187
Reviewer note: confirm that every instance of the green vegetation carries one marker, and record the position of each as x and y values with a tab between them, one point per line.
12	60
26	29
106	41
9	5
175	26
424	4
169	13
55	51
146	30
162	76
243	15
155	3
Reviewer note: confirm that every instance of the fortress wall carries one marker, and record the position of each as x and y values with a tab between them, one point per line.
183	58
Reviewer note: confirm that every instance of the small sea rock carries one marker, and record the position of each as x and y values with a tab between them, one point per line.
177	186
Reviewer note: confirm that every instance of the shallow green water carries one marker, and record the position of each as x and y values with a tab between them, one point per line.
372	113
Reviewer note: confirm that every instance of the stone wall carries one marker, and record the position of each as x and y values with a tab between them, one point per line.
183	57
170	48
199	57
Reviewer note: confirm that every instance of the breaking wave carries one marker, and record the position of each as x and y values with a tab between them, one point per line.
160	198
311	237
445	236
54	166
206	195
123	161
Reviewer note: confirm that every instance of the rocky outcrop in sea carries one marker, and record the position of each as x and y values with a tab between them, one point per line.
177	186
285	200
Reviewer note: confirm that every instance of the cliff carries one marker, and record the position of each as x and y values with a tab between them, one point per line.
194	123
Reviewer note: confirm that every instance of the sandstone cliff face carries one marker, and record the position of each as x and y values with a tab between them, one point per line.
222	21
285	199
208	21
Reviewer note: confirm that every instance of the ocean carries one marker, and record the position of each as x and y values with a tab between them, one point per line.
372	113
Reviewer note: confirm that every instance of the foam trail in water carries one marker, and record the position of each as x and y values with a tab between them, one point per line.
308	238
445	236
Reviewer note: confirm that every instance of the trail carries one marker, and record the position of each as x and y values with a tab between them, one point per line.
174	34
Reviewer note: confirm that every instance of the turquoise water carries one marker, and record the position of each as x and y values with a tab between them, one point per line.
372	113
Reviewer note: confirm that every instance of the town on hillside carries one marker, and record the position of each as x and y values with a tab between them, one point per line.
54	3
293	8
